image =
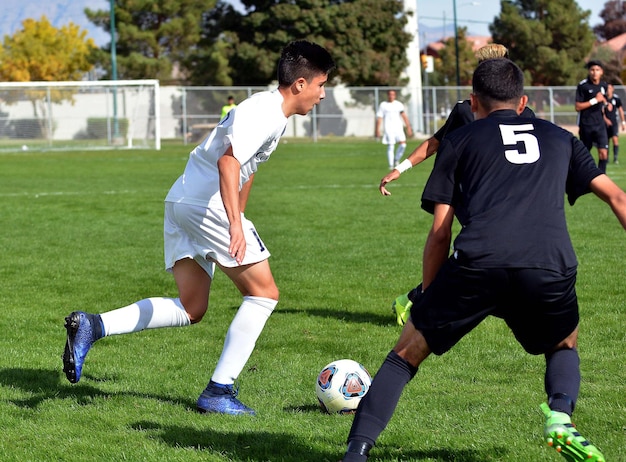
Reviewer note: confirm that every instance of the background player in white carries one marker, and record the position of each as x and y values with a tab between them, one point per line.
205	226
391	120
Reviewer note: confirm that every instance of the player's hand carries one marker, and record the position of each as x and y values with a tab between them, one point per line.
600	97
237	247
391	176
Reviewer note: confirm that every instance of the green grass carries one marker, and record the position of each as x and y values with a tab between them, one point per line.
84	231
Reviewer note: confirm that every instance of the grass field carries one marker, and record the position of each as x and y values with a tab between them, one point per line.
84	231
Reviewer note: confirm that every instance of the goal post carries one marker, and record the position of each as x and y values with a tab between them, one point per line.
80	115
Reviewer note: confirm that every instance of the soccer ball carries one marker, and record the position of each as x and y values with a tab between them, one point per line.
341	385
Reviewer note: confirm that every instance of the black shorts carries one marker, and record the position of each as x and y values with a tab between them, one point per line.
539	306
591	135
612	130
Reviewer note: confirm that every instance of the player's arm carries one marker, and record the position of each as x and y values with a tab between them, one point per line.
229	170
379	124
421	153
245	193
437	247
407	124
621	116
603	187
582	105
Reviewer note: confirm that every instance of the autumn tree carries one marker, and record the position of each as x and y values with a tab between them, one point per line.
614	16
153	38
41	52
549	39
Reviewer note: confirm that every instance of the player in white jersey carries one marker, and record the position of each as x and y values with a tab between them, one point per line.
205	226
391	120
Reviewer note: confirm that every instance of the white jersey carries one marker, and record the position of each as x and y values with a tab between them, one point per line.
253	129
393	125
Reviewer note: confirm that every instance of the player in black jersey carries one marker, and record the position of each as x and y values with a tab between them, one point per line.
613	108
460	116
505	178
590	102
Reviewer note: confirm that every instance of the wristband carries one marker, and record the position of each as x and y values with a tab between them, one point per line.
593	101
404	166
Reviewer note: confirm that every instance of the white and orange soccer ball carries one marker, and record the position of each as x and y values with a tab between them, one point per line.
341	385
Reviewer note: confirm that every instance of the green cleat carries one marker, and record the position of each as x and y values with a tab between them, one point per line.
561	435
401	307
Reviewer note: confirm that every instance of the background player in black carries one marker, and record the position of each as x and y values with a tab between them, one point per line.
505	178
590	101
611	110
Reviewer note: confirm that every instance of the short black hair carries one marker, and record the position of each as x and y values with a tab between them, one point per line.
594	62
302	58
498	80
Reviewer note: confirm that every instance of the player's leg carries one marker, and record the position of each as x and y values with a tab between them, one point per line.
260	296
546	322
615	149
399	152
378	405
390	154
602	143
83	329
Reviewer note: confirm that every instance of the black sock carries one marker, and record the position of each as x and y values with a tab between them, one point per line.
602	165
562	380
615	152
378	405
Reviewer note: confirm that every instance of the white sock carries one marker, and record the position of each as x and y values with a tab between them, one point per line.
400	152
390	154
241	337
150	313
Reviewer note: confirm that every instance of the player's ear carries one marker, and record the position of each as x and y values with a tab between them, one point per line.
522	104
473	102
299	84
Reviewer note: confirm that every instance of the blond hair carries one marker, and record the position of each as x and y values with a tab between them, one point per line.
491	51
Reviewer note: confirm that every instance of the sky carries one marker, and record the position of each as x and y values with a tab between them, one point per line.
432	15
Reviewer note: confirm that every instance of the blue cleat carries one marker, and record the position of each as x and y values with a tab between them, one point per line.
81	334
221	399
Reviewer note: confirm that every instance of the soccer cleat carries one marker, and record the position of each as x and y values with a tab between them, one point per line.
80	337
561	435
221	399
401	307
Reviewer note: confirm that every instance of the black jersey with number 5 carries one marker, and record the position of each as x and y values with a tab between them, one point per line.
506	177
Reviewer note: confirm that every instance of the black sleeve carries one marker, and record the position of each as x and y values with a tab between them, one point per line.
461	115
582	170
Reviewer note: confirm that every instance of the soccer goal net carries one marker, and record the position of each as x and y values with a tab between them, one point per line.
79	115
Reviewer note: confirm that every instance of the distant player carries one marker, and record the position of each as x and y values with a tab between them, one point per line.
229	106
505	178
205	226
611	111
391	119
590	102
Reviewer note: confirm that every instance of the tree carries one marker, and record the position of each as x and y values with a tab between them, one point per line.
152	37
614	16
549	39
41	52
365	37
446	65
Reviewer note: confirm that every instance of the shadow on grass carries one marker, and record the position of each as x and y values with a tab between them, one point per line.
379	319
255	445
249	445
48	384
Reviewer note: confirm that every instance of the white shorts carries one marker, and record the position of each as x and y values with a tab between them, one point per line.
394	136
190	231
